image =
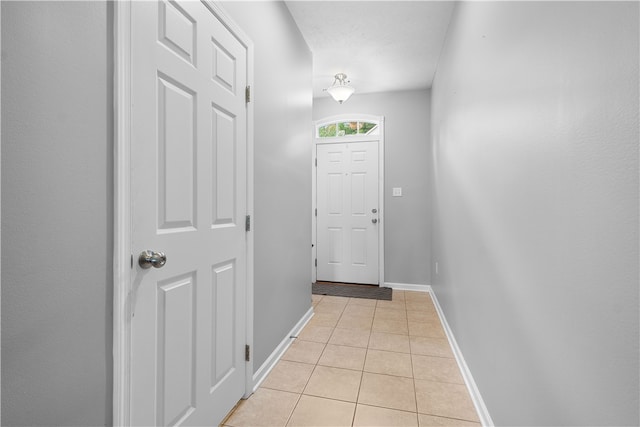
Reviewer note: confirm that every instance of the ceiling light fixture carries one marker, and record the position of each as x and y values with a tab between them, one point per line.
340	89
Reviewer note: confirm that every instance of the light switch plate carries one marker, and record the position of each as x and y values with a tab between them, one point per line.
397	192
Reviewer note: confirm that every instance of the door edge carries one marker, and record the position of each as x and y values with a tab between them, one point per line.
217	10
246	41
122	213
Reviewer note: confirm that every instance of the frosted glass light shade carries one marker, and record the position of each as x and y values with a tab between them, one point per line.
340	92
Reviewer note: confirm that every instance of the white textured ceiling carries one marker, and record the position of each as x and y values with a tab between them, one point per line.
380	45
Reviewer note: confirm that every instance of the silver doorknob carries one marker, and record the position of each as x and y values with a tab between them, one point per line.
374	220
148	259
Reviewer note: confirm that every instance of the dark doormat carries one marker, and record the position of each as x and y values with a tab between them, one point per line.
351	291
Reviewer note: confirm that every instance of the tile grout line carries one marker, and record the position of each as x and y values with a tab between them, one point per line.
415	391
364	363
304	388
307	382
413	376
292	410
308	379
355	407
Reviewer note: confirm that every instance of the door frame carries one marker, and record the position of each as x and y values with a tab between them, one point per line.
314	180
123	257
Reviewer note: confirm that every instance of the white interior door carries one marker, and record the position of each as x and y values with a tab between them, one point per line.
188	200
347	200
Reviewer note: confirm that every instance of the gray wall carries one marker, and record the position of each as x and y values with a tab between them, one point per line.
282	181
535	160
56	213
407	148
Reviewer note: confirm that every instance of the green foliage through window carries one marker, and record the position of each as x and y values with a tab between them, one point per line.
348	128
327	131
333	130
365	127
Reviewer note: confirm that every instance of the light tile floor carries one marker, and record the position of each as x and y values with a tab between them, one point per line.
362	362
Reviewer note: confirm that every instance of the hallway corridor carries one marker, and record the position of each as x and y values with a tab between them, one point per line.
364	363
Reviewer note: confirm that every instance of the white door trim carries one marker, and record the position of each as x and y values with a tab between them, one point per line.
0	217
314	183
122	256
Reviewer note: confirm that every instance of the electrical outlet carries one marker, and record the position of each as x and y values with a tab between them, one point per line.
397	191
436	267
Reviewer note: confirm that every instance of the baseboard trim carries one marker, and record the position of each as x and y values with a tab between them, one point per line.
275	356
408	287
478	402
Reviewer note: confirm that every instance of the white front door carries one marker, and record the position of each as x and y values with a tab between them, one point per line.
347	200
189	201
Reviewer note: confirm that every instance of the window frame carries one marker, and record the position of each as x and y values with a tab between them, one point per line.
337	120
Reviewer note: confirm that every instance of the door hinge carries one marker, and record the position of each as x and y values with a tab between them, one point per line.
316	262
316	162
247	94
316	211
247	223
247	352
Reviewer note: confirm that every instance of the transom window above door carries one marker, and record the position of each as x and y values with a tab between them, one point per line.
345	128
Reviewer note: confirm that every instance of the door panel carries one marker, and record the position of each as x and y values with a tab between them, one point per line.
334	194
334	246
359	246
223	327
224	181
176	349
358	196
176	162
347	195
189	189
177	31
